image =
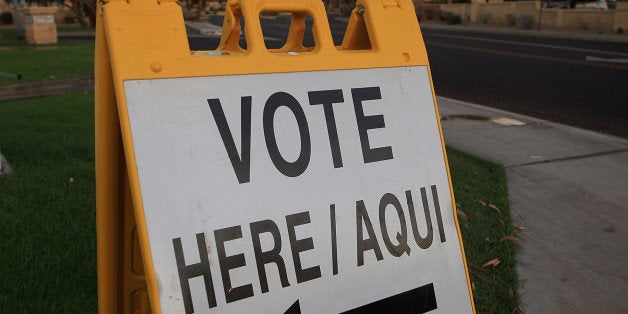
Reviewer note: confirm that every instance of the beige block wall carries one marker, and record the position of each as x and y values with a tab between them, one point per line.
40	33
621	17
429	11
527	7
461	9
550	17
573	18
496	11
587	19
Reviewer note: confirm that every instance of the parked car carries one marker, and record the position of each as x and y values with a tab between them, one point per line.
555	4
597	5
578	4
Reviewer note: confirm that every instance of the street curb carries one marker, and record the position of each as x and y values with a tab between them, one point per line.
530	32
500	113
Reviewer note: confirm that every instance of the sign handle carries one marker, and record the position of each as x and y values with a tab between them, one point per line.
251	10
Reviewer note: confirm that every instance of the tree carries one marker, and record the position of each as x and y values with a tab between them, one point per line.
199	9
84	10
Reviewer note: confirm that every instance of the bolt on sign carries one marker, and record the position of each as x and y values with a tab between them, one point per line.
305	178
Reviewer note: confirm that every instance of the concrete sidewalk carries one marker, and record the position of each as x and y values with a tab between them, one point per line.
569	188
47	88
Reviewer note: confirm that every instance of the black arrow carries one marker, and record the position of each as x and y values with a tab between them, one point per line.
418	300
295	308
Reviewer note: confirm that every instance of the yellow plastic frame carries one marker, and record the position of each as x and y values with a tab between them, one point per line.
146	39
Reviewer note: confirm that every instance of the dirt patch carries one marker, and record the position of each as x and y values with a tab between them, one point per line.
47	88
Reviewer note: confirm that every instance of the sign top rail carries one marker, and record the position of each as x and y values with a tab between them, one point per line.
147	39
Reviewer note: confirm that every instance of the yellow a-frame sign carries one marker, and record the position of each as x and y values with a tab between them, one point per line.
249	179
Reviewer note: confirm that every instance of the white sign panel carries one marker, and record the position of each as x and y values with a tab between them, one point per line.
314	192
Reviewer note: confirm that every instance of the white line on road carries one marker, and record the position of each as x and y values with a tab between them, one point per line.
608	60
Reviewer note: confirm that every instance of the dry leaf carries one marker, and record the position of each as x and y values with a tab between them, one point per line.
520	306
483	203
494	262
71	179
510	238
511	293
521	228
472	285
492	206
522	216
462	214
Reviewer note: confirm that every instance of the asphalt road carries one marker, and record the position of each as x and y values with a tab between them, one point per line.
275	31
570	81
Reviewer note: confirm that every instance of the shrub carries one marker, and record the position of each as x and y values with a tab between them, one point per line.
620	30
612	5
431	12
6	18
525	21
511	19
485	17
187	14
451	18
214	9
454	19
68	19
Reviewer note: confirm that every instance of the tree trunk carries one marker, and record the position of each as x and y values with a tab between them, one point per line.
78	11
89	7
199	9
18	21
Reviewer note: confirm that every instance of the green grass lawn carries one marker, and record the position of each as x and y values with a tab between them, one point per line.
487	232
11	32
68	58
47	215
